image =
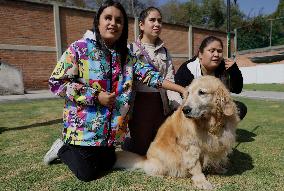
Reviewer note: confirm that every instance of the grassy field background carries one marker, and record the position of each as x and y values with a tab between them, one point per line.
265	87
28	128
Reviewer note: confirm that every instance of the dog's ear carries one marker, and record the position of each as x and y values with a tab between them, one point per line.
224	101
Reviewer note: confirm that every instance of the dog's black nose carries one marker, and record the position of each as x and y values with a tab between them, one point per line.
186	109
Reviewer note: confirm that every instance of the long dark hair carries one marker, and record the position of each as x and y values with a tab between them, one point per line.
121	43
145	14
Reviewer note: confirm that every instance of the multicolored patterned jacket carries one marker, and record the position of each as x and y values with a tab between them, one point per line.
80	75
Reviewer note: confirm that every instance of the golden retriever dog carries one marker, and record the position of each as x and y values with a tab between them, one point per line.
197	136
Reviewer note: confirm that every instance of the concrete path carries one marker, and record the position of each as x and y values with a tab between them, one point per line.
36	94
269	95
46	94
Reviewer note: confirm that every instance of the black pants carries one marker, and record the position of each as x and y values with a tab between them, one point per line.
87	162
242	109
148	116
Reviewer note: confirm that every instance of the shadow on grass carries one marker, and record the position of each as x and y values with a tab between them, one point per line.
51	122
245	136
240	162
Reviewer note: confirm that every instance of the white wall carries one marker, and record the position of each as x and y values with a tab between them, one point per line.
263	74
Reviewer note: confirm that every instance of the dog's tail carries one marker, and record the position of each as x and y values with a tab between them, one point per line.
129	160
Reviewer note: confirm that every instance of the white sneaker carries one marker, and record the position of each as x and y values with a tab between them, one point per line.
51	155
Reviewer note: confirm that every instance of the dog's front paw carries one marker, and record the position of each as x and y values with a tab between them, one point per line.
201	182
206	185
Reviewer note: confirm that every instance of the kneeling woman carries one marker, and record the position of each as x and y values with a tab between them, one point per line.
210	61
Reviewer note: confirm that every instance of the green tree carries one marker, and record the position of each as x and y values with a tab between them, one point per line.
78	3
204	13
193	13
174	12
132	7
238	18
255	34
214	12
280	9
278	25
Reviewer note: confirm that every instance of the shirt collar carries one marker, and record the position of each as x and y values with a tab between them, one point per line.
159	43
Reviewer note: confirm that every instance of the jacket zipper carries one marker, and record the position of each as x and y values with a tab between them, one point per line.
110	109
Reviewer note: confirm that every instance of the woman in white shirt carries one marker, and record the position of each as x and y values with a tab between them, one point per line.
150	106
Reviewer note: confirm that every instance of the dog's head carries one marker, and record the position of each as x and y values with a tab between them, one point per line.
207	96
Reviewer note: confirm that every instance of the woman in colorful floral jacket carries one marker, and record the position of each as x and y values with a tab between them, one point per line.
95	76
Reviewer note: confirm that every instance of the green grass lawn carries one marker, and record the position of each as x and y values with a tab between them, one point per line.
265	87
28	128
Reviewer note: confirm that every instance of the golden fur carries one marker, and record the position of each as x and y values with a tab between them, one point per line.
199	135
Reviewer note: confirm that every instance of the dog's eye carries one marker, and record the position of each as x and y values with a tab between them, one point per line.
201	92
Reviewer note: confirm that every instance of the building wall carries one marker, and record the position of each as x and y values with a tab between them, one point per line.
74	22
263	74
131	28
175	38
31	25
199	34
26	23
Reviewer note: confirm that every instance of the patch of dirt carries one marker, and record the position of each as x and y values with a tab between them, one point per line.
243	60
